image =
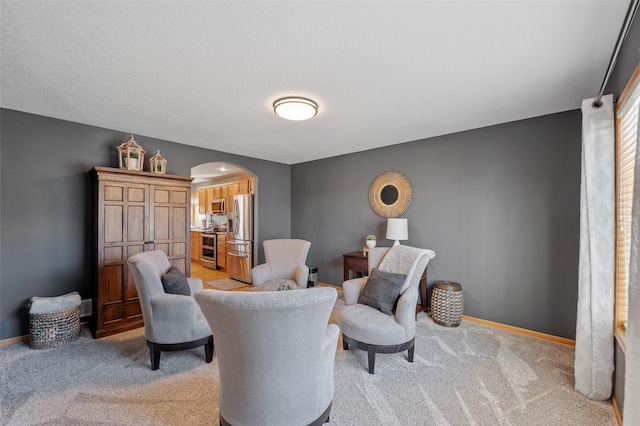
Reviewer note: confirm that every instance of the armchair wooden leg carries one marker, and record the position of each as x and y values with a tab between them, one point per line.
371	352
208	350
345	345
156	348
155	356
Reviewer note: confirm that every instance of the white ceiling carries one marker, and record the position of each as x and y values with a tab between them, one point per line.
382	73
207	171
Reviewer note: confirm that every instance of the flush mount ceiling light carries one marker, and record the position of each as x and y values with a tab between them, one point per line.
296	109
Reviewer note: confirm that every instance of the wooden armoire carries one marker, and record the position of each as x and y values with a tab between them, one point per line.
133	212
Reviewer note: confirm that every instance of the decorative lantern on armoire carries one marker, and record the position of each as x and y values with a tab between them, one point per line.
131	155
157	164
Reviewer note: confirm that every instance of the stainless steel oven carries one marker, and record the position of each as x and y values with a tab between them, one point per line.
209	251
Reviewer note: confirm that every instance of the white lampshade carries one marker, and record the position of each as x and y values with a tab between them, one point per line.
296	109
397	229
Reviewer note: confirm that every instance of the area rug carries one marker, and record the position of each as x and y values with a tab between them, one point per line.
227	284
469	375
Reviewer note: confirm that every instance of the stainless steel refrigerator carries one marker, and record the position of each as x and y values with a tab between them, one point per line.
240	240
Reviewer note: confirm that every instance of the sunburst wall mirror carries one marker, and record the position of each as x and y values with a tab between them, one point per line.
390	194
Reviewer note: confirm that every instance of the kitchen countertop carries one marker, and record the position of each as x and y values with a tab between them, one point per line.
209	232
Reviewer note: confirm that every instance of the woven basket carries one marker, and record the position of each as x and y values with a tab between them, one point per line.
447	303
51	329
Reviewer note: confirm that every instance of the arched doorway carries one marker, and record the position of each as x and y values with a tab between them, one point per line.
216	187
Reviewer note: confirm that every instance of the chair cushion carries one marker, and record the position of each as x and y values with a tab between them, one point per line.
273	285
370	326
175	282
382	290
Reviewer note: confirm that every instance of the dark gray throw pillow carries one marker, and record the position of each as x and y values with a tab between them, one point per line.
174	282
382	290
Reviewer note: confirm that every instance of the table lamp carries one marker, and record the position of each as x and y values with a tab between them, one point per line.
397	229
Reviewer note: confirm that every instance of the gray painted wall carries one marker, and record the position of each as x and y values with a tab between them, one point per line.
45	209
498	205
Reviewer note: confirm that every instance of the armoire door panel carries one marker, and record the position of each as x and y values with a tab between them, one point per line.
180	263
136	223
113	221
181	197
113	193
113	254
130	292
111	279
161	223
162	246
112	314
132	310
179	249
179	223
160	195
134	249
136	194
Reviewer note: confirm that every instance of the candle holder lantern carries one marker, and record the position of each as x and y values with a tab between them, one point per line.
131	155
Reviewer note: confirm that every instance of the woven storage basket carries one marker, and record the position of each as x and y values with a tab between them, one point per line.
447	303
51	329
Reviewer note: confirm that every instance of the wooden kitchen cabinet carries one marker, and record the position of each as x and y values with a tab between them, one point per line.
222	250
232	189
246	185
133	212
210	197
202	201
220	191
196	246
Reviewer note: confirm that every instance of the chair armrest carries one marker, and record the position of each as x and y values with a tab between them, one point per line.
352	289
406	307
195	284
173	316
302	275
329	344
260	274
327	360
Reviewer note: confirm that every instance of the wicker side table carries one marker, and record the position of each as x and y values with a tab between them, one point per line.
447	303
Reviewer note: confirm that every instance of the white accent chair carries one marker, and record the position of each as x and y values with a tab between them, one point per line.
369	329
276	354
172	322
284	262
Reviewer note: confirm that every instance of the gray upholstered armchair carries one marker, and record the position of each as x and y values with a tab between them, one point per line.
285	260
374	318
171	321
276	354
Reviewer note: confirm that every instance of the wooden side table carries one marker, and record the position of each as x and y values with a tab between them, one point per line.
358	263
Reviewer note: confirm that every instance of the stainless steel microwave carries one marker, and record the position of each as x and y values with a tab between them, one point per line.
219	206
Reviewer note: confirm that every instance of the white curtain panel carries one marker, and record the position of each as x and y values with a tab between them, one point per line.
594	325
632	360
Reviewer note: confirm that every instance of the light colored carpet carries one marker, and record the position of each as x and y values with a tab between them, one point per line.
227	284
470	375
